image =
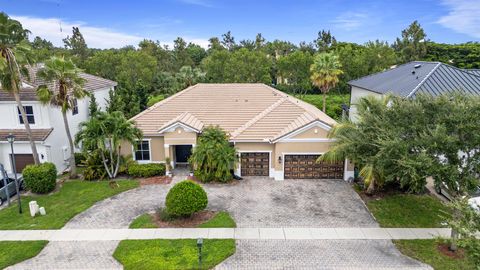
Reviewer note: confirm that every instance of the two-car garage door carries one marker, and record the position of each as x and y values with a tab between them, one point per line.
306	167
295	167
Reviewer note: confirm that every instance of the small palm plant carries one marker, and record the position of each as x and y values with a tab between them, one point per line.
213	158
325	71
63	86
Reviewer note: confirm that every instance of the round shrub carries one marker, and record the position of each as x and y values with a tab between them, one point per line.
146	170
40	178
186	198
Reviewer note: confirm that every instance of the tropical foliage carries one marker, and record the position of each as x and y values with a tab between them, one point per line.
105	133
14	58
63	89
325	71
213	157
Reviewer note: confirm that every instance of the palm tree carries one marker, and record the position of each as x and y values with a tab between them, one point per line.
14	51
324	73
63	87
189	76
361	142
105	132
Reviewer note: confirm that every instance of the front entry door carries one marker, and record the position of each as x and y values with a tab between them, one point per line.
182	153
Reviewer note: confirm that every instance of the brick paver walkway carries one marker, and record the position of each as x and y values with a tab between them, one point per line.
258	203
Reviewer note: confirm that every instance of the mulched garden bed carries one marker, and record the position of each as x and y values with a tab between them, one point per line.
231	182
189	222
445	250
156	180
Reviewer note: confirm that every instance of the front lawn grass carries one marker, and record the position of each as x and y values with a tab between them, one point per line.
408	211
144	221
73	198
172	254
427	252
12	252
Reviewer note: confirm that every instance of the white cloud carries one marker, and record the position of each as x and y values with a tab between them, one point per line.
203	3
350	20
54	30
463	17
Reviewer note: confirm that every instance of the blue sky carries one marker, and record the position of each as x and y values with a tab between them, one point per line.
111	23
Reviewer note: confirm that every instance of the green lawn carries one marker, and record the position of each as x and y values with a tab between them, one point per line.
220	220
172	254
12	252
73	198
408	211
334	102
427	252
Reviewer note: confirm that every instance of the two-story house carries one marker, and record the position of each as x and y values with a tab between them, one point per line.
46	123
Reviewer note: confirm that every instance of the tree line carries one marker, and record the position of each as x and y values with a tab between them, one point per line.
153	70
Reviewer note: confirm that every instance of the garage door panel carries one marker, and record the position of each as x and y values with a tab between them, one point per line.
255	164
306	167
22	160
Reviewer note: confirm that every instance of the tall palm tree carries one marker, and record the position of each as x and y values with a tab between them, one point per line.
63	86
14	54
105	132
324	73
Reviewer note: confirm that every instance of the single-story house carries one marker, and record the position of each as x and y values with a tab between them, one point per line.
414	78
276	135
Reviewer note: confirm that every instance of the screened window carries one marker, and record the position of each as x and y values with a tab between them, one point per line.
75	107
29	113
142	152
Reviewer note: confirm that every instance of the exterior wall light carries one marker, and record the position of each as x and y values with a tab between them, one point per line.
279	159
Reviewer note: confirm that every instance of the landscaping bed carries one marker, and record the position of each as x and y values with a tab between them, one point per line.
155	180
72	198
203	219
13	252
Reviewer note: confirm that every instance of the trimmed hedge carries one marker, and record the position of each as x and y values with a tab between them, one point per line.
146	170
40	178
186	198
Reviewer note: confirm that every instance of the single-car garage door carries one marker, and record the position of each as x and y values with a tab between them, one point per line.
254	164
22	160
306	167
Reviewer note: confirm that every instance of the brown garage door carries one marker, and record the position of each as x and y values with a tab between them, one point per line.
254	164
22	160
306	167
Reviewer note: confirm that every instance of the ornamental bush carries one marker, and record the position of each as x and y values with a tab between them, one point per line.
146	170
186	198
40	178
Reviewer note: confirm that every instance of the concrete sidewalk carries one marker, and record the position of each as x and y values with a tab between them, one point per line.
226	233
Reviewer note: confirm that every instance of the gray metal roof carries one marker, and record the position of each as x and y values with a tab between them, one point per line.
413	78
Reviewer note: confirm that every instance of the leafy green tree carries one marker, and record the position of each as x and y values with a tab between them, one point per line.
77	44
213	157
465	223
42	49
259	41
214	65
246	66
214	45
324	73
196	53
189	76
181	54
106	132
294	70
14	54
66	90
413	44
228	41
466	55
93	106
325	41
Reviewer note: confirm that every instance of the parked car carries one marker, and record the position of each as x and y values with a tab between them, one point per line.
474	199
11	188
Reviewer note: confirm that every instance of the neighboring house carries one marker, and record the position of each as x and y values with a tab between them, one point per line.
276	135
45	121
414	78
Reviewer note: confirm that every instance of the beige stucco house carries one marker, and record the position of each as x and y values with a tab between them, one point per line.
276	135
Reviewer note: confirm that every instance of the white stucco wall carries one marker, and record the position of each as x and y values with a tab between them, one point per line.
356	94
21	148
9	115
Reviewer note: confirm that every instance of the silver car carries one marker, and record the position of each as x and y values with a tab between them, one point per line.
10	188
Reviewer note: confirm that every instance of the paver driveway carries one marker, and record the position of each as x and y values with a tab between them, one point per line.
254	202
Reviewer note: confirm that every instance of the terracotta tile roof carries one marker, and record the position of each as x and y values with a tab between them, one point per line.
185	118
28	92
21	134
246	111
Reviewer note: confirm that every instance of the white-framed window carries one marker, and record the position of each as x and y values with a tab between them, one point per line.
75	107
142	151
28	112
